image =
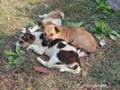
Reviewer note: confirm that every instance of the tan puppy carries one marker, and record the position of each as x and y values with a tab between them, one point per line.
54	17
79	37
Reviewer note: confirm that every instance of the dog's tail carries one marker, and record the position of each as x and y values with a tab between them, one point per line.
75	68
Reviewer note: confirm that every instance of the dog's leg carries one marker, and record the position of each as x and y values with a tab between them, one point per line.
45	63
81	53
52	62
66	69
36	49
43	16
23	30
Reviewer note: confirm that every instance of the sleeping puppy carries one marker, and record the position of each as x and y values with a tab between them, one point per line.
33	41
54	17
79	37
63	56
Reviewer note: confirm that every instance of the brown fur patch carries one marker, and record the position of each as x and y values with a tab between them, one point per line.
68	57
54	14
27	39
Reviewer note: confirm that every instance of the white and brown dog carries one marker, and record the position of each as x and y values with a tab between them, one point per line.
54	17
63	56
79	37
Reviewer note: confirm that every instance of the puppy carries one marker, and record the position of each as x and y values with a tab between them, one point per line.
33	41
79	37
54	17
63	56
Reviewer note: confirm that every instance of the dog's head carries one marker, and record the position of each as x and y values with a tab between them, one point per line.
26	39
51	31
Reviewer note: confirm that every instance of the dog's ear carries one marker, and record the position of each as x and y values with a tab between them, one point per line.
40	24
27	30
57	29
31	37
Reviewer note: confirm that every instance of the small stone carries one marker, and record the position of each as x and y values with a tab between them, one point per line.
102	42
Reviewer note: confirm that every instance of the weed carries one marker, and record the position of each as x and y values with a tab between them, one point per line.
30	25
103	7
101	30
14	58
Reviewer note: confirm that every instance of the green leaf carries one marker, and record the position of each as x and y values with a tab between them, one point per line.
10	58
108	7
97	1
115	33
30	25
9	53
17	49
70	24
97	24
80	24
98	36
108	30
113	37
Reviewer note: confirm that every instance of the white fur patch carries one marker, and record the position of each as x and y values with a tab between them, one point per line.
23	30
43	16
62	14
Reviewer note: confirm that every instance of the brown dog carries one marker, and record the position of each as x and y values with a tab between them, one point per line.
79	37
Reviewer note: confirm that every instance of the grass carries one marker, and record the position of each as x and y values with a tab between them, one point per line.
102	66
107	71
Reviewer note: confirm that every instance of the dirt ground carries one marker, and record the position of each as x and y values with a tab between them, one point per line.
100	70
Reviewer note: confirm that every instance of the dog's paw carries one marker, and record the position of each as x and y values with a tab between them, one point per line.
23	30
62	70
29	51
82	54
39	59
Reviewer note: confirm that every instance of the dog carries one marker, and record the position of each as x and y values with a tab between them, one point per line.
54	17
79	37
63	56
33	41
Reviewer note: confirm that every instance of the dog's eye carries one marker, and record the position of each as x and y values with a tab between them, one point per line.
25	38
51	34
